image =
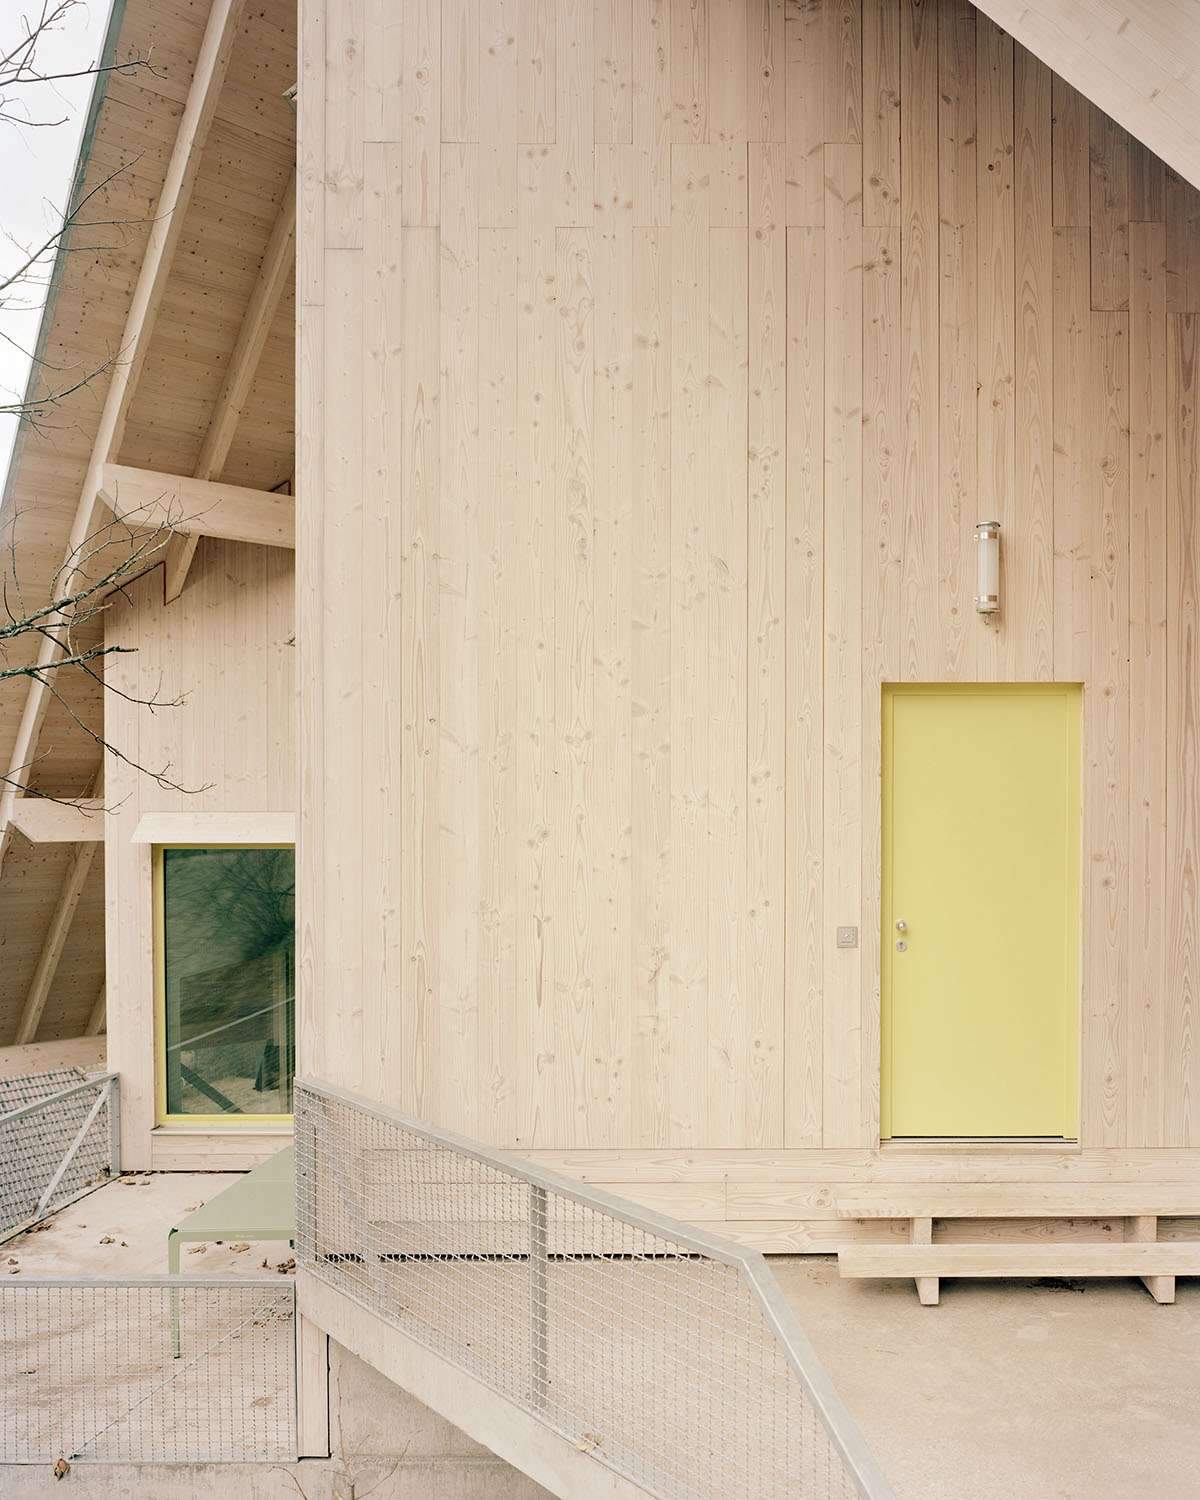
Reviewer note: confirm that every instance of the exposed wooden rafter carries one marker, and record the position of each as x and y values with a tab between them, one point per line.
98	1019
197	507
162	242
46	822
273	277
56	941
60	924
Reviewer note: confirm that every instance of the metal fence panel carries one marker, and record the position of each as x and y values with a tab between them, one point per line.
668	1354
89	1374
57	1141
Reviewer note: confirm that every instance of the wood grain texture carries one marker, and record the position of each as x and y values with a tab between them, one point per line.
960	312
805	603
613	593
1106	740
1109	211
1029	560
650	687
1147	676
881	112
496	664
691	623
883	428
766	72
689	51
766	665
697	338
738	1069
919	625
1071	157
1182	1065
999	651
195	646
1127	58
807	79
459	572
842	1123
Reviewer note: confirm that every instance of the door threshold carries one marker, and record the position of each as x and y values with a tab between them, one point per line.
979	1143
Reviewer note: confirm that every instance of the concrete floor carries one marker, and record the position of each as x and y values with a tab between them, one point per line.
1037	1390
133	1214
386	1443
1042	1391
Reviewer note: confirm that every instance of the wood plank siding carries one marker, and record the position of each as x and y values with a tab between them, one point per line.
656	363
220	660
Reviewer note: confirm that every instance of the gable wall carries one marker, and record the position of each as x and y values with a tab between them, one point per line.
657	358
219	662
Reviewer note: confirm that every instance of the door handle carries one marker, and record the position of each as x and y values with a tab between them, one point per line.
901	925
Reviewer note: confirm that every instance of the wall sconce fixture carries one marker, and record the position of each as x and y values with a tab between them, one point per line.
987	557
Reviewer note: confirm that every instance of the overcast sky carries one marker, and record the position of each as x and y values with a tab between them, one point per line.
35	170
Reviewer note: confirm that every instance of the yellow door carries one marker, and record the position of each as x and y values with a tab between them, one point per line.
980	910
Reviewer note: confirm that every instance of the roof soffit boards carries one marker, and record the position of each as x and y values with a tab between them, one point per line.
1137	60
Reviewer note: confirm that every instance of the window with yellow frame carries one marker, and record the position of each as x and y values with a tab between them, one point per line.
225	957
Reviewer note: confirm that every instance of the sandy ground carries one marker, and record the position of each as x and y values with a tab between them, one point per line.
1039	1390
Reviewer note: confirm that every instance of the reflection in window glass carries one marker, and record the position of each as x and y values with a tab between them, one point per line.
229	957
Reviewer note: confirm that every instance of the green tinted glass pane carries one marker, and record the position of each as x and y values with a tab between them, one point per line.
229	954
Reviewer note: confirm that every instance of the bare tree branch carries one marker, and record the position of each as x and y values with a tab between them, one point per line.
19	68
58	642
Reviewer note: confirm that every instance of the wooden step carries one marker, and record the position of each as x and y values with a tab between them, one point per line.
1025	1200
1149	1260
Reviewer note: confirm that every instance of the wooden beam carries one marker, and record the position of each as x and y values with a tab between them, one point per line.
98	1020
216	48
1082	1259
56	941
216	828
928	1287
198	506
46	822
274	275
1142	1229
1021	1200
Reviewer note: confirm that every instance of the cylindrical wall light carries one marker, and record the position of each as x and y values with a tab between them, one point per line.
987	559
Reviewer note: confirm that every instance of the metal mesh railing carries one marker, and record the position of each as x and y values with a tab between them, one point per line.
58	1140
88	1372
669	1355
29	1088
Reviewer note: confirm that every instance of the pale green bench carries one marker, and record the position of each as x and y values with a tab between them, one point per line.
259	1206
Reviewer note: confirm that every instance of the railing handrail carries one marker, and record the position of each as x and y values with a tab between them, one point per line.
151	1279
841	1427
76	1088
634	1214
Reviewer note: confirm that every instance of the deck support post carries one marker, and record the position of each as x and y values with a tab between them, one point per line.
928	1287
1143	1229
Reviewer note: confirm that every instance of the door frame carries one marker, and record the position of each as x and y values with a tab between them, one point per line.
1073	692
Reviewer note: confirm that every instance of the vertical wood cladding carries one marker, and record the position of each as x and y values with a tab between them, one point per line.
657	360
